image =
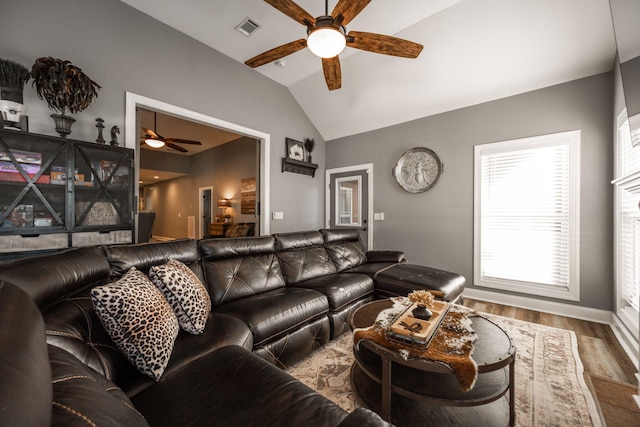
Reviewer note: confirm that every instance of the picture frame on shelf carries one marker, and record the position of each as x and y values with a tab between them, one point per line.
294	149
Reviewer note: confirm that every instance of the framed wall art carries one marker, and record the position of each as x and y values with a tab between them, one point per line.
295	149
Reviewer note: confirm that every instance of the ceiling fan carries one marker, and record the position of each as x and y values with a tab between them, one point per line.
155	140
327	36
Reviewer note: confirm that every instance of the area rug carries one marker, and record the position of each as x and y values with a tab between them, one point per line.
550	388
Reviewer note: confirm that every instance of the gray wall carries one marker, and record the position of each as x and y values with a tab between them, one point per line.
125	50
222	168
436	227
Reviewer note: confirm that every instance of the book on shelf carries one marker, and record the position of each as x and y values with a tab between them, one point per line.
16	177
11	167
22	156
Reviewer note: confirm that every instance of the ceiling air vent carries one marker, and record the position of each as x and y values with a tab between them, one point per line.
247	26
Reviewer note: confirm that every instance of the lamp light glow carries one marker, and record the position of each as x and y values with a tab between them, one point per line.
326	42
155	143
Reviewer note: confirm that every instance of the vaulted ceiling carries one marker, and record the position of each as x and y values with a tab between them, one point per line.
474	51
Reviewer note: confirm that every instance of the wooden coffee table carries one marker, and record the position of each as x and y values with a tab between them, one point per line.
421	392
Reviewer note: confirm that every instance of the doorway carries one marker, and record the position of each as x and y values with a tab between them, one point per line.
132	135
349	201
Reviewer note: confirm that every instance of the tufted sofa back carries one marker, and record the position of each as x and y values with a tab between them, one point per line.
57	275
143	256
303	256
344	248
239	267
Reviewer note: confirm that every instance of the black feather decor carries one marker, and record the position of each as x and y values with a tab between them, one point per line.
13	76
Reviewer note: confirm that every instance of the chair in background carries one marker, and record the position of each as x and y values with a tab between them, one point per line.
145	224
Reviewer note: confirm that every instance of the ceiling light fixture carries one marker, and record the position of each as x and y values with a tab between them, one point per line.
155	143
326	40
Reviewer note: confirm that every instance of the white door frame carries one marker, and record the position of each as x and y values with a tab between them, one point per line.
327	202
199	224
133	101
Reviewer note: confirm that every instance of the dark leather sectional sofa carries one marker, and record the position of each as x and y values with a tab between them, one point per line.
274	300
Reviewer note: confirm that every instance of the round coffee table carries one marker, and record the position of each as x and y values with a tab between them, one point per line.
422	392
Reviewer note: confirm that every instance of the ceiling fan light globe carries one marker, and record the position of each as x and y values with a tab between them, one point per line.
326	42
154	143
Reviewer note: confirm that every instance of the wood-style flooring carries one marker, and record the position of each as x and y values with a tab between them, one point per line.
608	370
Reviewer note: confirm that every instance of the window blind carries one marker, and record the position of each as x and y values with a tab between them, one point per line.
525	215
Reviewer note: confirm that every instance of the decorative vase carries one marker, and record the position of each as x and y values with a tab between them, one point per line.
422	312
63	124
309	158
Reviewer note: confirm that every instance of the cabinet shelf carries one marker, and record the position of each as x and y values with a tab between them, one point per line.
37	216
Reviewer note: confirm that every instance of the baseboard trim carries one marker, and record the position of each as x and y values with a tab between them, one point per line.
552	307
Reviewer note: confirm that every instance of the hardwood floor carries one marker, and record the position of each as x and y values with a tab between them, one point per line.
607	366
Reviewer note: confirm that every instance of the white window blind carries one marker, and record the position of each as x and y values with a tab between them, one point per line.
525	215
627	226
629	250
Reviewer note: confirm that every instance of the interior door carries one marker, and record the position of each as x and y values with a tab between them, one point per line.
348	202
206	212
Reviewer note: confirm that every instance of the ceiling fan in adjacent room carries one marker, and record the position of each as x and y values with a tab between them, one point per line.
155	140
327	36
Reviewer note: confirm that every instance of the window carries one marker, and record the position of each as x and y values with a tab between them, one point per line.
627	230
526	223
348	202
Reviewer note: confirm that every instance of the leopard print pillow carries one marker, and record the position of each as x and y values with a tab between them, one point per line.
139	320
186	294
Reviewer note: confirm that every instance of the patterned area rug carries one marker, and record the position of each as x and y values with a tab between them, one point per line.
550	387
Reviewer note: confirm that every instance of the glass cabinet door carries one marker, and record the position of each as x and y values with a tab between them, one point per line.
32	193
102	184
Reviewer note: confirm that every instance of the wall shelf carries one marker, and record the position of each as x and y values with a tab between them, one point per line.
297	166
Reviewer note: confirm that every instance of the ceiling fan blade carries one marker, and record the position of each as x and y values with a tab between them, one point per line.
293	11
349	9
182	141
332	72
276	53
176	147
386	45
151	133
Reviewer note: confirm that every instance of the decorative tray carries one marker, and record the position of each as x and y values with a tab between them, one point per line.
409	330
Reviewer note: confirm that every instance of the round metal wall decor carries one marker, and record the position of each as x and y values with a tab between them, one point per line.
418	170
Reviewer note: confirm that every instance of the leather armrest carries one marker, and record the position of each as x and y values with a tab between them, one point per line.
363	417
26	392
386	256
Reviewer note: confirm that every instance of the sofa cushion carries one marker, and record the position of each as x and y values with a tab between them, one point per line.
243	229
187	296
341	289
81	396
241	389
239	268
401	279
139	320
303	256
272	314
221	330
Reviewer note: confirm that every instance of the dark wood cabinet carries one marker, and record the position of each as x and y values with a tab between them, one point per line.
57	193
